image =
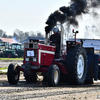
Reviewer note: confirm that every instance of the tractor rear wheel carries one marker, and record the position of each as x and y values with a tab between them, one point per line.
13	74
53	75
76	64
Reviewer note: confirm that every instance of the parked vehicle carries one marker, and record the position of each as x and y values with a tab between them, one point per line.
5	51
3	45
19	48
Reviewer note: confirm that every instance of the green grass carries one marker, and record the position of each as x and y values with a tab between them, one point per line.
3	72
3	68
11	58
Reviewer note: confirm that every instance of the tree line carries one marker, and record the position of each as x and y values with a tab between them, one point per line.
20	35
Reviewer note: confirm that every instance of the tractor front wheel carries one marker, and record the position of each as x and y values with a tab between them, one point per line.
13	74
53	75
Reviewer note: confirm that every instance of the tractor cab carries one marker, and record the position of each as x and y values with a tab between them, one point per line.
63	46
16	46
58	37
19	48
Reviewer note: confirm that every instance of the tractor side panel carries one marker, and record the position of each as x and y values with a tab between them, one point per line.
46	54
47	59
93	59
92	66
96	67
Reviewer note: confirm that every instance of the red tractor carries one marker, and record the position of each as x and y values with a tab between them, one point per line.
75	65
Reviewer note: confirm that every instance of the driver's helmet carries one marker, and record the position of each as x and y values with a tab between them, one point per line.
56	30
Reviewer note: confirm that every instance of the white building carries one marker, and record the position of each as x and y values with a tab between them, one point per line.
91	43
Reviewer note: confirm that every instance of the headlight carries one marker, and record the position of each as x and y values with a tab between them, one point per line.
69	42
74	43
26	59
34	59
14	52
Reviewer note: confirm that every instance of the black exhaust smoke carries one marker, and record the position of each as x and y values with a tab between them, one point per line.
68	14
95	3
53	18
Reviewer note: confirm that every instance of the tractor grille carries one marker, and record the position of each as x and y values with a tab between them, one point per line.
31	45
31	57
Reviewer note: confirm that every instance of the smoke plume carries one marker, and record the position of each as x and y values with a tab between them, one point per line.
66	14
94	3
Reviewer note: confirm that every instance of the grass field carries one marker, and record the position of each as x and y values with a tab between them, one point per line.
11	59
3	70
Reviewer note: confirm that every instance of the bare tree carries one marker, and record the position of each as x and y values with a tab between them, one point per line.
32	34
39	34
26	34
1	33
4	35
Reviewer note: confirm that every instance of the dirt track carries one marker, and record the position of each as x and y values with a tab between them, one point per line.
41	91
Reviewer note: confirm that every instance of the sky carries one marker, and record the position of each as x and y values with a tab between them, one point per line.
31	15
27	15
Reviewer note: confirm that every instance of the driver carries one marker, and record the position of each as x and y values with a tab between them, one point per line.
55	38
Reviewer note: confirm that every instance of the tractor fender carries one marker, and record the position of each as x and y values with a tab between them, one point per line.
61	67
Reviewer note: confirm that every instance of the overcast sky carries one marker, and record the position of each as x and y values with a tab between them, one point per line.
31	15
27	15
